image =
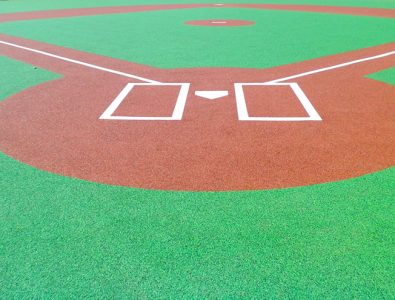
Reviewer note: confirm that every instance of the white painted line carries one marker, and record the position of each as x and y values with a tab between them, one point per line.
177	112
154	81
279	119
80	63
181	101
241	103
219	22
219	4
333	67
126	118
313	114
117	101
242	110
211	94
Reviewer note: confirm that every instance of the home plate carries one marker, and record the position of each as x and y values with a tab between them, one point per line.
211	95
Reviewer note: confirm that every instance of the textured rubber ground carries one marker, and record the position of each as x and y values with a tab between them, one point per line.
67	137
67	238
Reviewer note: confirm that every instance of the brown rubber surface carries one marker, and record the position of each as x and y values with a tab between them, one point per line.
55	126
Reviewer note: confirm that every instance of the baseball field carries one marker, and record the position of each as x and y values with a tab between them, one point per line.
179	149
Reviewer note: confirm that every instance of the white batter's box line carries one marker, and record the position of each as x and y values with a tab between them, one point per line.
242	110
177	112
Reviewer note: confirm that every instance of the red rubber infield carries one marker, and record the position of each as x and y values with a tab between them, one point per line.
56	127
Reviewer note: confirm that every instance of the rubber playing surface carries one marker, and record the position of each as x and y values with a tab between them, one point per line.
197	150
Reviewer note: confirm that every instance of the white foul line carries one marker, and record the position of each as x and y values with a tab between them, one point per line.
81	63
153	81
332	67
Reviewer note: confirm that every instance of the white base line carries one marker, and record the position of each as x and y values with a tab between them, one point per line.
153	81
332	67
81	63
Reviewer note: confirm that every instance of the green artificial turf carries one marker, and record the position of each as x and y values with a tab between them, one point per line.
32	5
161	39
15	74
67	238
386	76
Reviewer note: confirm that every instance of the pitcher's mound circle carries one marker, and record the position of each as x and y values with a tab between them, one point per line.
218	23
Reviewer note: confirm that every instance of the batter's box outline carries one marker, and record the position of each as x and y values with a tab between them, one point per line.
242	110
177	112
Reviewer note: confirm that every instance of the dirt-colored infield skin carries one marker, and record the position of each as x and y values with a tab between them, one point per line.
55	126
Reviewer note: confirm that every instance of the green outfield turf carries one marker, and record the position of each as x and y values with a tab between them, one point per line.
32	5
161	39
64	238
